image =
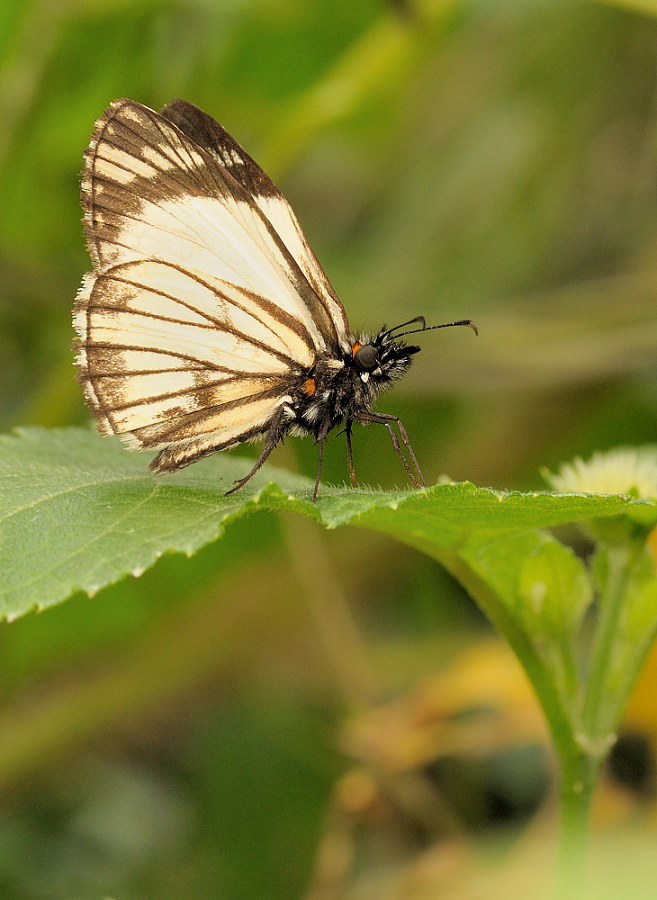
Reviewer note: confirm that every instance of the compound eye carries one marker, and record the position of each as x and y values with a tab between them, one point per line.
367	358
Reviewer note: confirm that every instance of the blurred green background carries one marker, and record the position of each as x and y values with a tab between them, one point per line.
264	720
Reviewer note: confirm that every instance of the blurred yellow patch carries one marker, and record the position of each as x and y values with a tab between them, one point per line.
483	702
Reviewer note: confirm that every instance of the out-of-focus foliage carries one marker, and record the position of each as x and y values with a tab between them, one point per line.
491	160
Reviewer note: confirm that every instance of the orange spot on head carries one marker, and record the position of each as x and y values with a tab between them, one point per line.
309	387
355	348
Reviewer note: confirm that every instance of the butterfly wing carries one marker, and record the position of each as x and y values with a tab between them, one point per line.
209	134
199	316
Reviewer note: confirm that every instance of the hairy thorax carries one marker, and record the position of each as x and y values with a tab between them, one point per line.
336	390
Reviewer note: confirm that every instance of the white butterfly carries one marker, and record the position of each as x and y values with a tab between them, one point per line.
207	320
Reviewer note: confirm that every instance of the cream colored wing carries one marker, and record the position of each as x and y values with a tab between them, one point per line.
199	317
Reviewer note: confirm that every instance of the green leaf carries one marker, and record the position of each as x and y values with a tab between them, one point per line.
555	591
77	512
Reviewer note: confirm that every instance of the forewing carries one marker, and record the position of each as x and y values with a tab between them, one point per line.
209	134
150	192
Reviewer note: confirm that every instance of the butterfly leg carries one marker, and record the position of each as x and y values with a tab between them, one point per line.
274	435
407	444
319	467
350	455
319	439
386	419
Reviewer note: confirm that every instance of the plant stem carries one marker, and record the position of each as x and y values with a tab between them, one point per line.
596	732
595	720
579	775
580	761
559	723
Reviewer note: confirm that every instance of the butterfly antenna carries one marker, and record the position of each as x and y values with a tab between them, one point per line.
424	327
420	319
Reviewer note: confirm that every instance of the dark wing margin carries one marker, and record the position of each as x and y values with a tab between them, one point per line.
213	137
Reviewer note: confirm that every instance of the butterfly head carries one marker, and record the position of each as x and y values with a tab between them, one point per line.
386	357
381	358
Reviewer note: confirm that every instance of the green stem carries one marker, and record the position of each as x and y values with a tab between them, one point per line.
561	727
580	764
578	779
595	722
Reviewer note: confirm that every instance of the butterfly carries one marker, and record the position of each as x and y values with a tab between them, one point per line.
207	320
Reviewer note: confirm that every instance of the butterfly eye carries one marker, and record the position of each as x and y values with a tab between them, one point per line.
367	358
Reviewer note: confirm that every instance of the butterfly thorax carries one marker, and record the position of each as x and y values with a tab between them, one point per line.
344	387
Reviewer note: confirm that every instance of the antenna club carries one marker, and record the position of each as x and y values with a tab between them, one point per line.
392	332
